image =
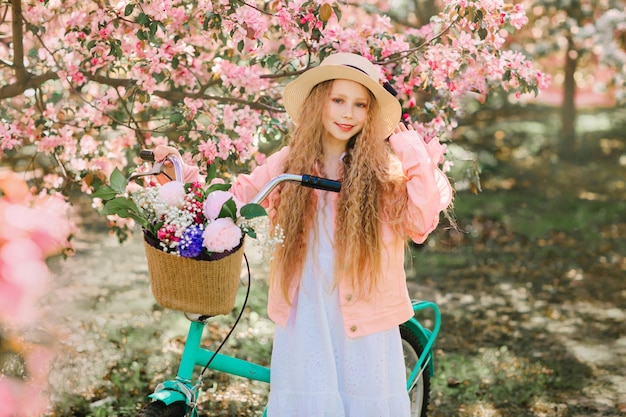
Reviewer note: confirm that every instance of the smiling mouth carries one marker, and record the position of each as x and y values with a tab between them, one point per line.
345	127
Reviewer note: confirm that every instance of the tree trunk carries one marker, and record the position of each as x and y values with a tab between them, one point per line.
568	107
425	9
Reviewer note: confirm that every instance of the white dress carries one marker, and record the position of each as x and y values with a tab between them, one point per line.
316	370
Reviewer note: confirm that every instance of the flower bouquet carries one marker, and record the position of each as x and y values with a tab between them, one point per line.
193	236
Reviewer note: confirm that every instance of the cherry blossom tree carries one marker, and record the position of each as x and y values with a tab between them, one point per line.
84	85
587	37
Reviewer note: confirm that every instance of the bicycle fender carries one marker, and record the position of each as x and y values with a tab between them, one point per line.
424	336
168	396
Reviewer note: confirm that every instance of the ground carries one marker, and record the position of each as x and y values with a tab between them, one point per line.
530	283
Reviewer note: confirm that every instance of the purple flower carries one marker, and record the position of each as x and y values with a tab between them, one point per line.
190	244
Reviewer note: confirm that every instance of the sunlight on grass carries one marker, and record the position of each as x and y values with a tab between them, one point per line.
483	383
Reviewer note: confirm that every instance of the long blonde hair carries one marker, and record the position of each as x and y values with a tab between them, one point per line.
370	171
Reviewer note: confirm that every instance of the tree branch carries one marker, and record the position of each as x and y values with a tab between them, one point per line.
18	41
28	81
404	54
180	95
31	81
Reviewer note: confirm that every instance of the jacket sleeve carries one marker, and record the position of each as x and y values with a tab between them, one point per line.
428	188
247	186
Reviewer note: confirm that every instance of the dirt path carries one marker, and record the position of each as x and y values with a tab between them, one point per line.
98	293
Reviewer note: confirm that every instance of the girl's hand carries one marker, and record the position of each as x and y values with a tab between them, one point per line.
402	128
160	153
408	128
191	173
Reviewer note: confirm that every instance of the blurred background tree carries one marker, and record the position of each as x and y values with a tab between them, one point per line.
582	44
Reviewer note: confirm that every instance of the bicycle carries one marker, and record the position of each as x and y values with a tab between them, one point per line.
178	397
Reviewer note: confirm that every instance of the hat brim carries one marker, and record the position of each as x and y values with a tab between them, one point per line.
297	91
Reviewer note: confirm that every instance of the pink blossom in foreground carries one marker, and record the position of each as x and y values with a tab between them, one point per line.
221	235
32	228
172	193
214	202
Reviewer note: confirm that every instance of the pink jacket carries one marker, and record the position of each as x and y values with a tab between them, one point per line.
429	193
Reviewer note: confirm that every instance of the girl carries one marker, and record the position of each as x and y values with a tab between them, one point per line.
337	285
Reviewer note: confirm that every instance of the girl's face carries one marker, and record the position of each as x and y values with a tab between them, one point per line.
345	111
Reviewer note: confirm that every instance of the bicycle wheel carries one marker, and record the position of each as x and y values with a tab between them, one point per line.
160	409
419	394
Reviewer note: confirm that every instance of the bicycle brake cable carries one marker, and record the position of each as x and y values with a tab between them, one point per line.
243	307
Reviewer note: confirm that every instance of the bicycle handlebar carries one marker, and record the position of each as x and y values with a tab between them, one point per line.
305	180
147	155
310	181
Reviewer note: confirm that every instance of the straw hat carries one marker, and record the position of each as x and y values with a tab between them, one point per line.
345	66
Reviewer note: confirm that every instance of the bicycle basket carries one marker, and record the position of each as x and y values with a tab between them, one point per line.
202	286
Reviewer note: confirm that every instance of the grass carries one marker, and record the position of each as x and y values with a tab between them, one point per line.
534	215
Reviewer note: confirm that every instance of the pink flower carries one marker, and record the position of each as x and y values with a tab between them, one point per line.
167	233
23	279
214	202
14	189
221	235
9	392
172	193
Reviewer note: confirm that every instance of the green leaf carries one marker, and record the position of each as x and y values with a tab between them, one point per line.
205	23
140	220
337	10
143	19
105	192
121	206
115	51
159	77
250	211
153	27
118	181
229	209
240	46
128	10
211	173
218	187
176	118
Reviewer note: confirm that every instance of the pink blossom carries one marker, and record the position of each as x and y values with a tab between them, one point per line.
14	189
208	150
10	393
221	235
214	202
172	193
88	145
167	233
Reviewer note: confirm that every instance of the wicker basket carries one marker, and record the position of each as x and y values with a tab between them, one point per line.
201	286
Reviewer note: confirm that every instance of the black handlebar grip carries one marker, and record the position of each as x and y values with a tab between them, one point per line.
321	183
146	155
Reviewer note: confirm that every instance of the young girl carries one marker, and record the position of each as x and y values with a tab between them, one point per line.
337	285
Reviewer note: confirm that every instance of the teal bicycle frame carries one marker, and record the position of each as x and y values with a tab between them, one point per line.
426	337
182	387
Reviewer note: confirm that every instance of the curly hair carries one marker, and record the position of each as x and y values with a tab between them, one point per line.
370	171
